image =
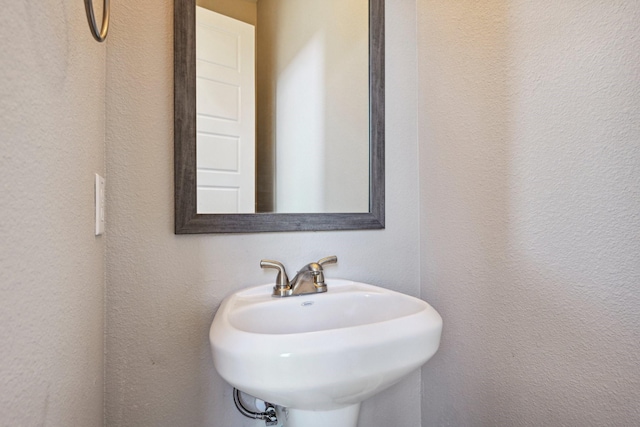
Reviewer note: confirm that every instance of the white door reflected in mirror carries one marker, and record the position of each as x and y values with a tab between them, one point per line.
225	121
294	137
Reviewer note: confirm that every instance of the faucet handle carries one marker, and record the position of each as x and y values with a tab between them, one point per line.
318	274
328	260
282	281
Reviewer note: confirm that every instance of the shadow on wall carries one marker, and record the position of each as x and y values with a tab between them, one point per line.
464	114
529	211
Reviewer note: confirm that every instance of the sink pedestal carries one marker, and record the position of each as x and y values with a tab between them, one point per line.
343	417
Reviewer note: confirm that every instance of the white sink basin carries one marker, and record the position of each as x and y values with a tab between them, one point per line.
323	352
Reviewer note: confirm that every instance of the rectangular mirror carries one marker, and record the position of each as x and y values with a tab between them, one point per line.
279	115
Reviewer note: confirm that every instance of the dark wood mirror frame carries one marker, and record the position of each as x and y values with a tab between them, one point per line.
188	221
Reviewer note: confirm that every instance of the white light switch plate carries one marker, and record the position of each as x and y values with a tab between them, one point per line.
99	205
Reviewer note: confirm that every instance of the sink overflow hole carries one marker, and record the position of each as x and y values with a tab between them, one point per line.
307	303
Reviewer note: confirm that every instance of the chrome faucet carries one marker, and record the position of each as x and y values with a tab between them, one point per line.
309	280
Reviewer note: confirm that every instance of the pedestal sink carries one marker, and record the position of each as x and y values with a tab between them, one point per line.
317	357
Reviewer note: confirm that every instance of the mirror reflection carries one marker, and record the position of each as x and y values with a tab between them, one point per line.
282	99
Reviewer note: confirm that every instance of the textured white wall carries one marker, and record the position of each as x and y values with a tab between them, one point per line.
530	210
52	77
163	289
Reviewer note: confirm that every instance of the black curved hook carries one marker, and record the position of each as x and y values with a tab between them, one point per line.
100	35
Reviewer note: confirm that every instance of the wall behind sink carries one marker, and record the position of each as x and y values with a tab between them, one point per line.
163	289
530	208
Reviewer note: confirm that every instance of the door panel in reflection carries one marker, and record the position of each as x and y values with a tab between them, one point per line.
225	100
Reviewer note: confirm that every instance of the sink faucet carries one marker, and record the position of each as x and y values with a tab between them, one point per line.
309	280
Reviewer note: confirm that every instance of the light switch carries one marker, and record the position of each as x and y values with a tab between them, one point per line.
100	200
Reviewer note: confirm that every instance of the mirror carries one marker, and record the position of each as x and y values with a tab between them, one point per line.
315	156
